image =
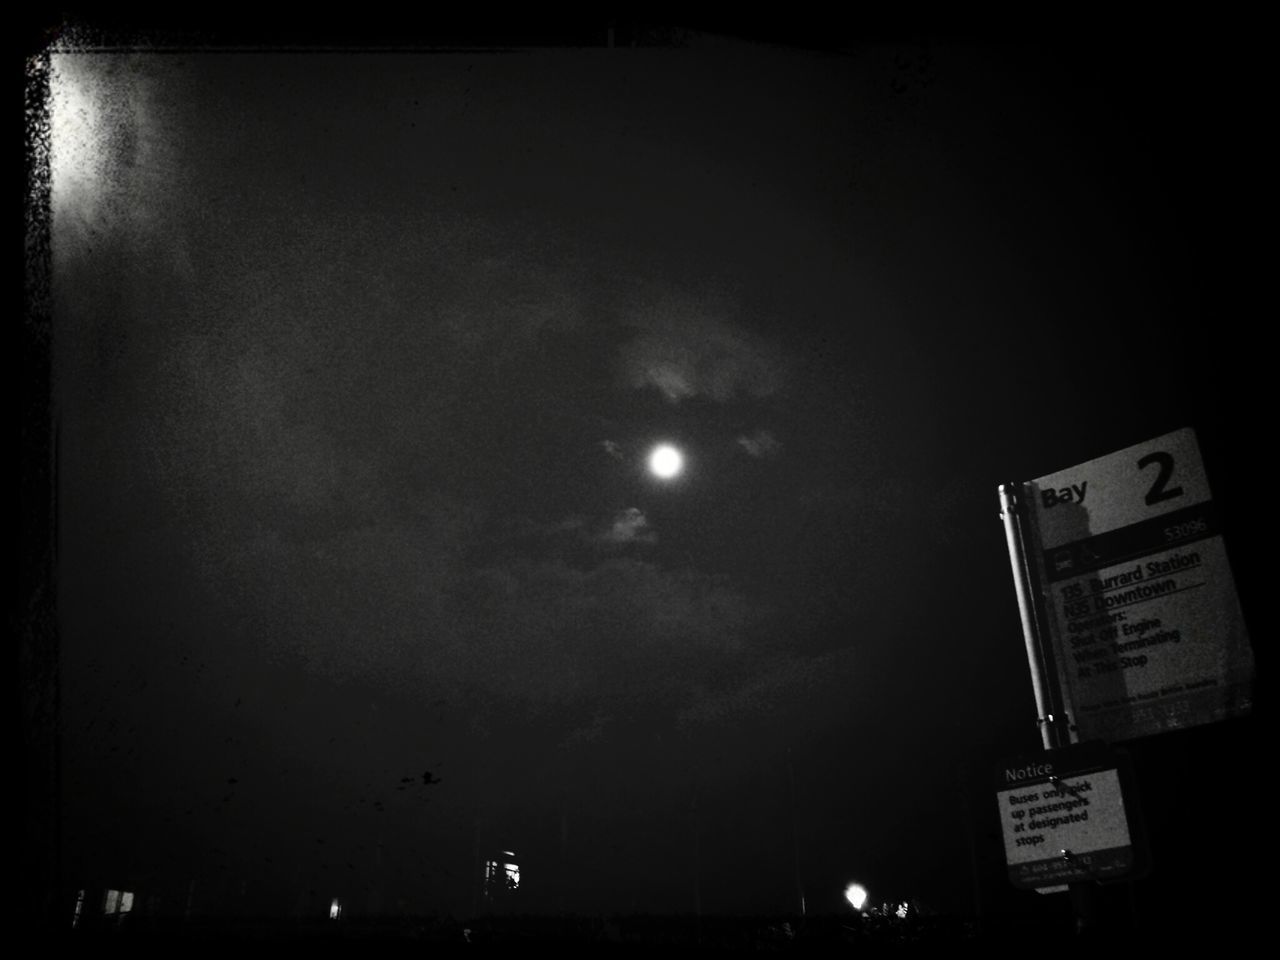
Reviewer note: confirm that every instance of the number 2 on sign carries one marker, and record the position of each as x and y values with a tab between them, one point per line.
1160	490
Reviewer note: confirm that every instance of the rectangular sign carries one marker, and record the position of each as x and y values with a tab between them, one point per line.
1063	818
1138	598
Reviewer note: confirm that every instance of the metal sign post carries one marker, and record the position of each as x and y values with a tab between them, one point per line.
1051	717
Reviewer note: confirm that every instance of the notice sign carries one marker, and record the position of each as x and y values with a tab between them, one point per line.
1063	818
1138	597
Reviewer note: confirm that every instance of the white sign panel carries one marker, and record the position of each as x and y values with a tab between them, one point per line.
1138	596
1080	823
1068	826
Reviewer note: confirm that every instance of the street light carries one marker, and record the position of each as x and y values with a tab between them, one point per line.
856	894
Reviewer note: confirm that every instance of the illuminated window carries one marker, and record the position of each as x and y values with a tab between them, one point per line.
501	876
75	917
335	909
117	902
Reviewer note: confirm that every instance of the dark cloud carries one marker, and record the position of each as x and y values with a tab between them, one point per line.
688	346
777	689
503	302
623	630
574	524
402	607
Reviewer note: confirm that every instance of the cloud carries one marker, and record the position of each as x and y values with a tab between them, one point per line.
760	444
687	348
629	526
624	527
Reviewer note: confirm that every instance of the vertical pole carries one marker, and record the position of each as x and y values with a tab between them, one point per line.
1049	715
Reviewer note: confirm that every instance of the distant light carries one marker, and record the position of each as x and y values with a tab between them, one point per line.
856	894
335	909
666	461
75	919
902	911
507	853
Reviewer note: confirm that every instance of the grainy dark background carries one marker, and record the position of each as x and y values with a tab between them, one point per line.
355	358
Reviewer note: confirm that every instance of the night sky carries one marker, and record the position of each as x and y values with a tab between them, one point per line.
358	358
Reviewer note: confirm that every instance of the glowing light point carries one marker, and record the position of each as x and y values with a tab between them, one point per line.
856	894
666	461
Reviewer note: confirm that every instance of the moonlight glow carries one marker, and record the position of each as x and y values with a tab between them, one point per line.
666	461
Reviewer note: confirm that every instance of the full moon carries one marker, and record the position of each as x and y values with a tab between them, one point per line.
666	461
